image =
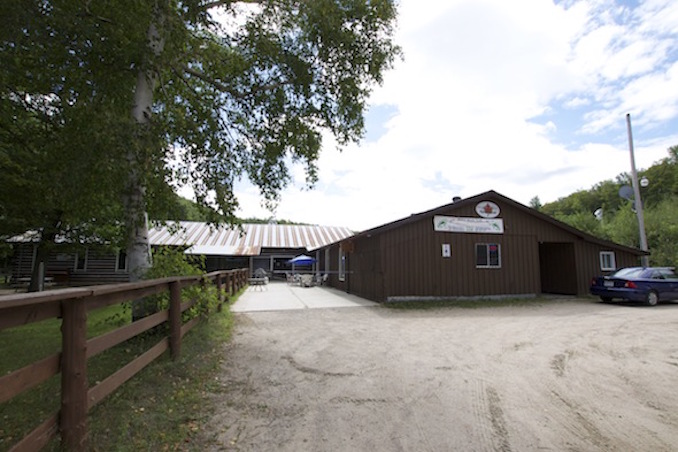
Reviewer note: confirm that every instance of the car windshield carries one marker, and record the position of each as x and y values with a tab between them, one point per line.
633	272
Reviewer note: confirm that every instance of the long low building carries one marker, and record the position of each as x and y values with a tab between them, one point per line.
267	246
483	246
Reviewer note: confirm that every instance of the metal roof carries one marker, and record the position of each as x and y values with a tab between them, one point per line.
230	241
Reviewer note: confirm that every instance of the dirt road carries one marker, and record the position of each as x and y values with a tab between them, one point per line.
557	375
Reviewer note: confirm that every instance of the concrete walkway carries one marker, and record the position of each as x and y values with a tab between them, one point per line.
279	296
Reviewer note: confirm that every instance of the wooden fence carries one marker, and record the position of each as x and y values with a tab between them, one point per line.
72	306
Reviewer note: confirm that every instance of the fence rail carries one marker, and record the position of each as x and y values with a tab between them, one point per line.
72	306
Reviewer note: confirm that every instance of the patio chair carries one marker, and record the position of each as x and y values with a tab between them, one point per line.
306	281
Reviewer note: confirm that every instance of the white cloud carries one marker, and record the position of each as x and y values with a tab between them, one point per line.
476	73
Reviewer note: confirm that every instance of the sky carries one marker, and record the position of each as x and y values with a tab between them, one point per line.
524	97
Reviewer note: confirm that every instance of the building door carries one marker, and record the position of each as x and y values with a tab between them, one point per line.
558	268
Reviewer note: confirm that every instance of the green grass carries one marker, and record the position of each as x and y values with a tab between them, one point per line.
161	408
479	303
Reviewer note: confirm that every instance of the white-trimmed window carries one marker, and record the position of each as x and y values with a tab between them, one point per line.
488	255
607	261
80	261
342	265
121	262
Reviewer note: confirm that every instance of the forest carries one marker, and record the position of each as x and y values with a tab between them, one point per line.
602	212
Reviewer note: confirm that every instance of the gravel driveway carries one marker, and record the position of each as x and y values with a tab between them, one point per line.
552	375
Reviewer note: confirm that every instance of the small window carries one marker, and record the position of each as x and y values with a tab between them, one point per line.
342	265
81	261
121	262
63	257
607	261
488	255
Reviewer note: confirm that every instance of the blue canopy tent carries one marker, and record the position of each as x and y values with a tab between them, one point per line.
302	259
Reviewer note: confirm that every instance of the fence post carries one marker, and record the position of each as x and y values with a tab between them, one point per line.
175	319
220	293
73	414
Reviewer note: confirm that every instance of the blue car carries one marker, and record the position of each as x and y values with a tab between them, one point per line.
648	285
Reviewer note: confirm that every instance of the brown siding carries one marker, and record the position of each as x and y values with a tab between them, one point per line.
366	277
100	267
23	261
100	270
588	262
413	261
405	259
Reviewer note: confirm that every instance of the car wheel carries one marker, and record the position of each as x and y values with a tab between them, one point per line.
606	299
652	298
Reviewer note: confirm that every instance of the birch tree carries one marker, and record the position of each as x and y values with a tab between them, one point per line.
208	92
246	95
63	117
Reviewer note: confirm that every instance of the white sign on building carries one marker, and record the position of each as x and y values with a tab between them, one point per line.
470	225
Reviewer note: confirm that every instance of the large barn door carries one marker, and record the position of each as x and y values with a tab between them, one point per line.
558	268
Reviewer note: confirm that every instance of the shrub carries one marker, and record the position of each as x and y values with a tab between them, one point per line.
169	262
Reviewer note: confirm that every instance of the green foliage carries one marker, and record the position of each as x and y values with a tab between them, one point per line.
268	220
249	98
245	100
661	225
663	177
583	221
39	340
603	195
619	223
166	406
161	408
168	262
186	210
622	227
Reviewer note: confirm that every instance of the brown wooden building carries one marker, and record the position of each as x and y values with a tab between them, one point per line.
484	246
254	246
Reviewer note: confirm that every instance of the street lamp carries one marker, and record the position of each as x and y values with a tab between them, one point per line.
636	194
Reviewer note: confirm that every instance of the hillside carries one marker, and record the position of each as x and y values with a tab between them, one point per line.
617	221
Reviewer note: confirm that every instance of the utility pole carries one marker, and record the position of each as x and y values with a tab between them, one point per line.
636	195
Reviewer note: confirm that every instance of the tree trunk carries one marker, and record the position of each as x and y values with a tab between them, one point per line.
138	245
47	240
37	283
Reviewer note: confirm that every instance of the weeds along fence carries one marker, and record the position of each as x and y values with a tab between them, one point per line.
71	305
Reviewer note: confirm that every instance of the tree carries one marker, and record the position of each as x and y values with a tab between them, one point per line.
662	232
180	97
60	123
535	203
251	96
584	221
620	223
663	178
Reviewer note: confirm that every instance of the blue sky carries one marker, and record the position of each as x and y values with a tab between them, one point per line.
525	97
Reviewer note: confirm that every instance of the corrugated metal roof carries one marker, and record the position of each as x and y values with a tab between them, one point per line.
207	239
